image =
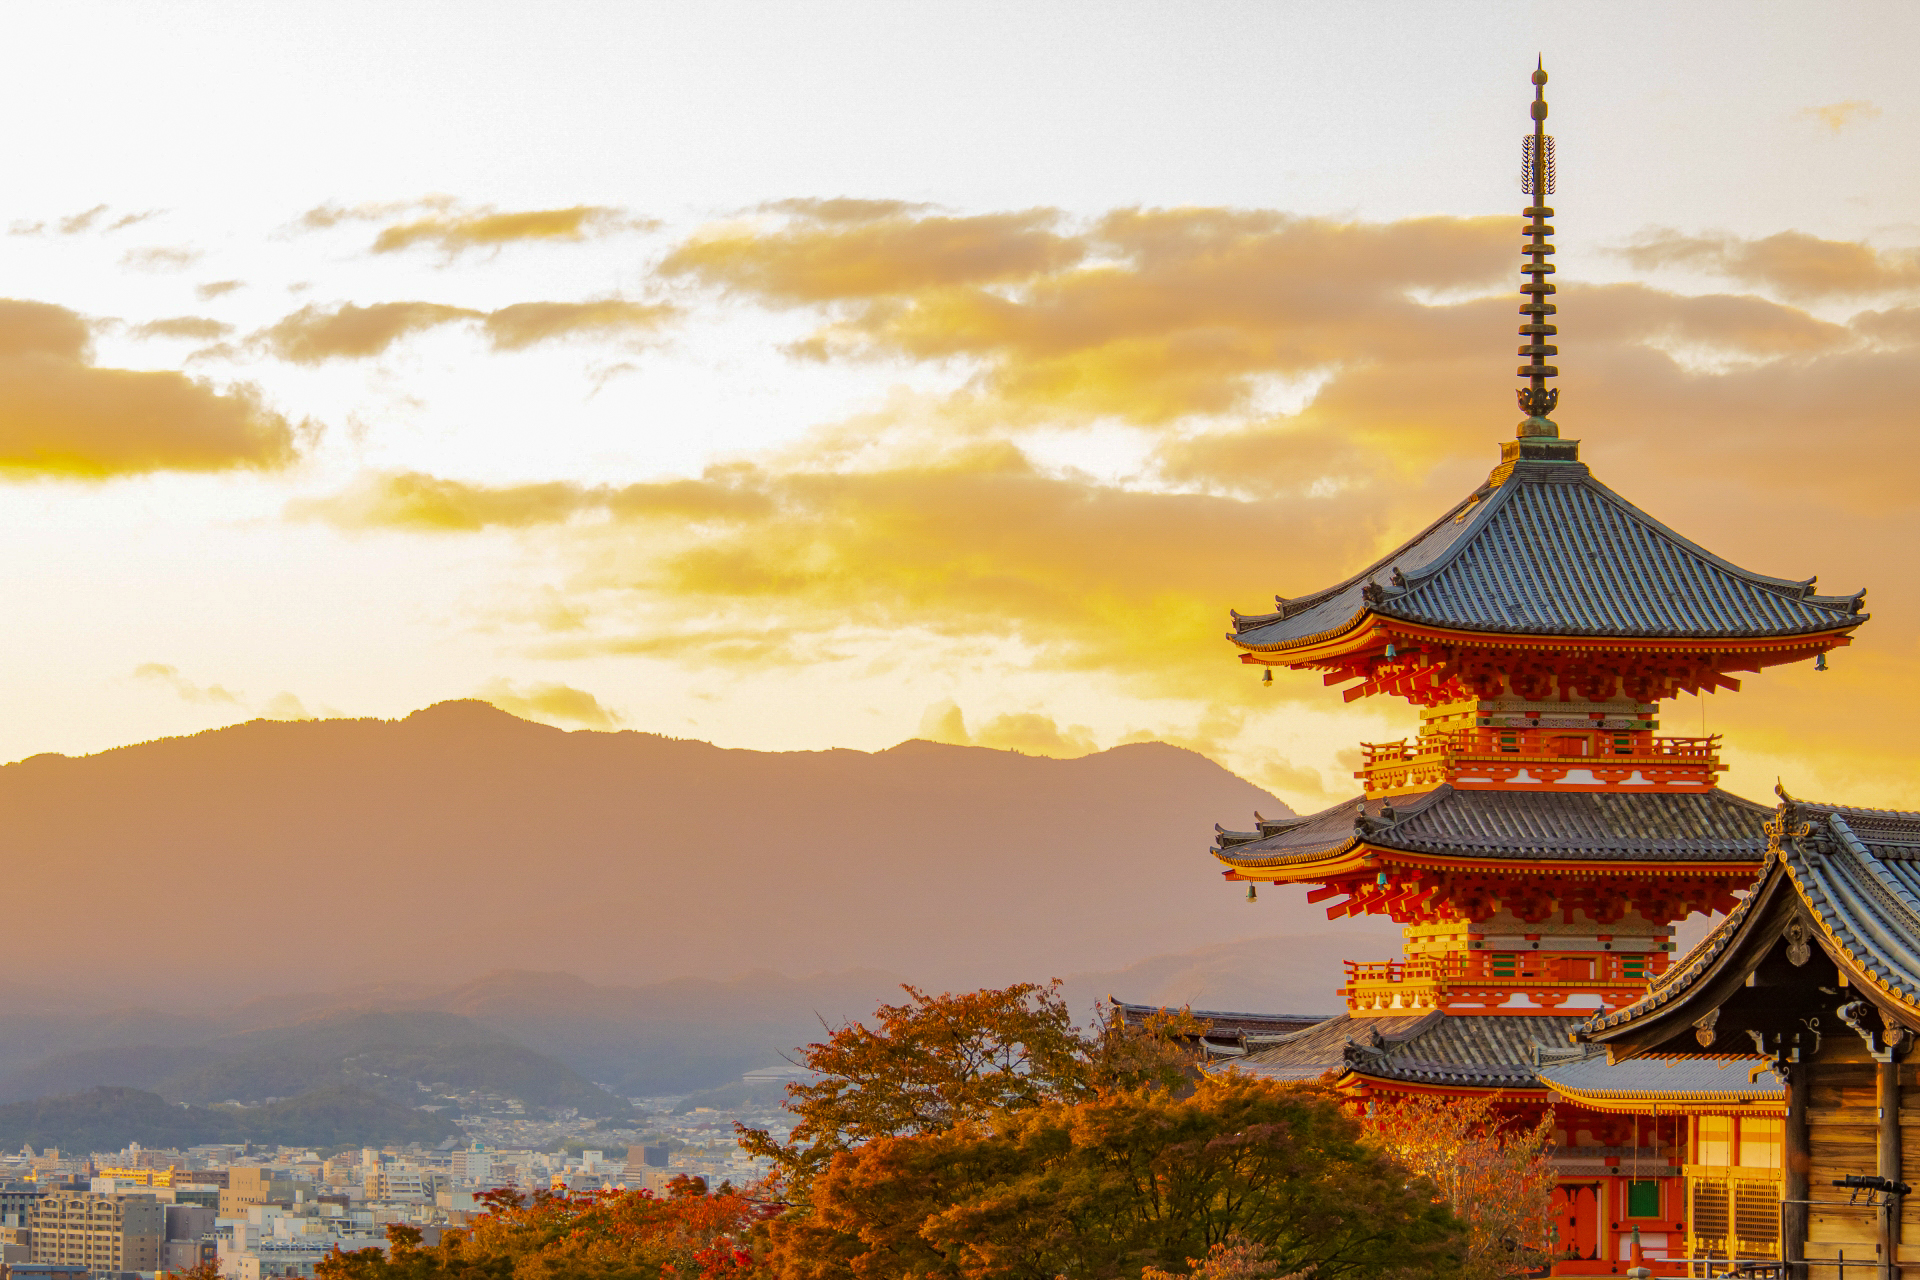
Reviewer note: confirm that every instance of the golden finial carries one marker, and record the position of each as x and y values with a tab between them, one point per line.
1537	399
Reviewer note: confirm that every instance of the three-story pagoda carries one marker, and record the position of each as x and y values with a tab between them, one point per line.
1537	837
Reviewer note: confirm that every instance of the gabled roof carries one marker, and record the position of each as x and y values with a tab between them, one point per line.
1552	551
1543	826
1852	874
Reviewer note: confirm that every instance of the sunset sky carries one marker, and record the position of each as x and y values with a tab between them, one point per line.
807	375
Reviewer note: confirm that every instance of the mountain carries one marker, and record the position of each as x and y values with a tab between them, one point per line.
106	1119
404	1056
419	851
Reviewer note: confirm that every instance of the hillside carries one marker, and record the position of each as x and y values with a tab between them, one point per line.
441	845
405	1057
106	1119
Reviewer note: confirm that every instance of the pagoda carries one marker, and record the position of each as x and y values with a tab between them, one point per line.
1537	837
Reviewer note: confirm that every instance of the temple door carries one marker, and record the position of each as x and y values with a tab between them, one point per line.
1576	1219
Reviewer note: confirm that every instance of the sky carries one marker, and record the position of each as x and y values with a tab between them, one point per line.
825	375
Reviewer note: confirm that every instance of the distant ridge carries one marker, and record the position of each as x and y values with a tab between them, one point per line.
461	838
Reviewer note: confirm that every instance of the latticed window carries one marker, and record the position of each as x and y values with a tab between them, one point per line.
1756	1213
1712	1216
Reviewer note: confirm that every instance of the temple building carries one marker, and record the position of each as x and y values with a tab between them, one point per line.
1817	969
1537	836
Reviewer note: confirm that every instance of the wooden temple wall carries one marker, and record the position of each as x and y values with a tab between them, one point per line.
1848	1130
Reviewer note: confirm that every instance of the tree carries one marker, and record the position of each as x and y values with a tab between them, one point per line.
1234	1260
1495	1174
604	1235
1130	1178
942	1060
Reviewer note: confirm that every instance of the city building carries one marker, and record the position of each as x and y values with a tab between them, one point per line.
1537	838
104	1233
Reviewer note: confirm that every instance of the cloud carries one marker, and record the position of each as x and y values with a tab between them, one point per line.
197	328
161	258
524	324
284	706
1837	116
62	415
161	673
976	544
1028	732
889	251
315	334
1148	316
455	232
218	288
1797	266
550	702
74	224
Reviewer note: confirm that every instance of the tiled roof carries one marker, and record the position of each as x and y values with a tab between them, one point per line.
1432	1048
1730	1080
1857	871
1544	826
1224	1024
1552	551
1516	1051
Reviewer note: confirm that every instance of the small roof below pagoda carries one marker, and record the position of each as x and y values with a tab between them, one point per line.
1485	1051
1551	551
1541	826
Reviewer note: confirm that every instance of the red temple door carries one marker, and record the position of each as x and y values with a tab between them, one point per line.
1576	1219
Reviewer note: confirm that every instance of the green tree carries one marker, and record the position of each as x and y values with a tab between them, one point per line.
1131	1178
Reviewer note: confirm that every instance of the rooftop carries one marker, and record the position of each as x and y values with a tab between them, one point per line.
1551	551
1546	826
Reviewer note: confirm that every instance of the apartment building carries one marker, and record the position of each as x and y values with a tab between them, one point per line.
101	1233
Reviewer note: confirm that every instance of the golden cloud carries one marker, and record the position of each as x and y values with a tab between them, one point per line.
162	673
161	258
524	324
196	328
550	702
315	334
217	288
1030	733
1147	315
834	250
455	232
1793	264
61	415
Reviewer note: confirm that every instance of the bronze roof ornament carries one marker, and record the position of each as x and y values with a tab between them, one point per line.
1537	399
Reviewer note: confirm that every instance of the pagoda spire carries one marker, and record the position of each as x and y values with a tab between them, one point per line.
1537	399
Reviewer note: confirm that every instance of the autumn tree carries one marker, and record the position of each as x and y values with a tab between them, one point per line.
1495	1174
1104	1185
689	1234
938	1061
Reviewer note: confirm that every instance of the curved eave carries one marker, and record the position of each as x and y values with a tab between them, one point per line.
1361	856
1627	1102
1371	626
1901	1004
1351	1078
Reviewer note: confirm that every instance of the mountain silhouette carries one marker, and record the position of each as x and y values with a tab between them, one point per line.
273	857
